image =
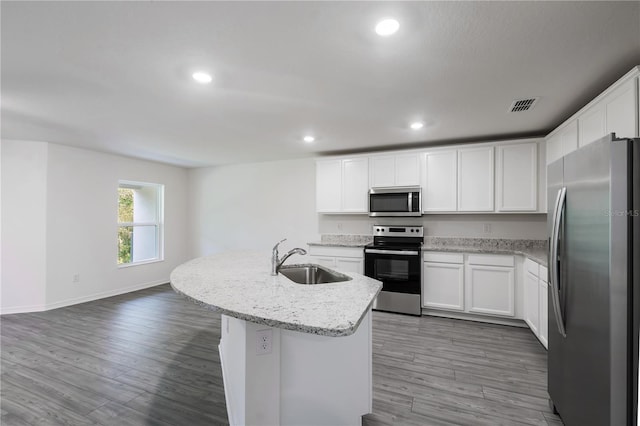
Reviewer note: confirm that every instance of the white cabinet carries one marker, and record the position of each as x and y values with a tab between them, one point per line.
569	137
616	110
346	259
440	183
536	305
394	170
592	125
355	184
329	186
341	185
475	179
443	281
544	307
621	110
490	284
483	284
531	296
517	177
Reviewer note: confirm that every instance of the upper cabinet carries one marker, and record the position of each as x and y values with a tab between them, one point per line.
613	111
440	182
493	177
475	179
342	185
394	170
517	177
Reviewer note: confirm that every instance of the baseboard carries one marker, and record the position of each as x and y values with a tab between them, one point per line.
478	318
83	299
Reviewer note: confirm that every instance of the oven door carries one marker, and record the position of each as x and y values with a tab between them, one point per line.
399	270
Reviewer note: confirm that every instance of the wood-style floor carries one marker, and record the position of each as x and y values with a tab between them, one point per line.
150	358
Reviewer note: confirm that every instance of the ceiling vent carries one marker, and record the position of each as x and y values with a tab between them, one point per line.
521	105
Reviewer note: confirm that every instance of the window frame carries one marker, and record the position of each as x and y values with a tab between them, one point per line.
158	223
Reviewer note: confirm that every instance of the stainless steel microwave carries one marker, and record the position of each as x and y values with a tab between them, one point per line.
395	201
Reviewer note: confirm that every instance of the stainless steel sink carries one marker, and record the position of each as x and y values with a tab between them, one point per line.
312	274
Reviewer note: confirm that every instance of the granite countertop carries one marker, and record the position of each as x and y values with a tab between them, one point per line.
536	254
533	249
340	240
239	284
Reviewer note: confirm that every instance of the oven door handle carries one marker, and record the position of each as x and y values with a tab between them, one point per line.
394	252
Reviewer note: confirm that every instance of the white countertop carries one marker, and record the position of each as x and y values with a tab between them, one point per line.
239	284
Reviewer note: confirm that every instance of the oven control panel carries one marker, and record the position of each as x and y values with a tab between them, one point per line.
397	231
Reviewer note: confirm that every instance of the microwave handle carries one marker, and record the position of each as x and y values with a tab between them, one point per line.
410	196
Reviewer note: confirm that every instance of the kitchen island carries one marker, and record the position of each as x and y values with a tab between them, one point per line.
291	354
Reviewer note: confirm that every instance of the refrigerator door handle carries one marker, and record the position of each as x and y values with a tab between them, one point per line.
554	276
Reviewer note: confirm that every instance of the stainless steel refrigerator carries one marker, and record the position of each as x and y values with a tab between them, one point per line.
594	275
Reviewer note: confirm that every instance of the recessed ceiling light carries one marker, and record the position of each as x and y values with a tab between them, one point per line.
202	77
386	27
417	125
308	139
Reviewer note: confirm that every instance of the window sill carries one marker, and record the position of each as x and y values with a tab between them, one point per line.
142	262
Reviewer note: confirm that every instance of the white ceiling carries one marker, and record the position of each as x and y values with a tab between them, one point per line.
115	76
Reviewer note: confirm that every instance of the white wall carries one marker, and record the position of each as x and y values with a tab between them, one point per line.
24	219
252	206
76	197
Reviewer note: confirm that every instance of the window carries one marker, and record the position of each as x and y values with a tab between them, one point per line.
140	222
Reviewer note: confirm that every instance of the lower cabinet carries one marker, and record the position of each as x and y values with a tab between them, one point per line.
544	312
536	303
483	284
532	301
491	284
347	259
443	281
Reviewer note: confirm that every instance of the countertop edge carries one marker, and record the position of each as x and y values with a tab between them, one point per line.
329	332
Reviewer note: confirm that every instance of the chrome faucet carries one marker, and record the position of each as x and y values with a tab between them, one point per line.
276	263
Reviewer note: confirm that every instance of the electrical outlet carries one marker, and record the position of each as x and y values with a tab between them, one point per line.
487	228
76	278
264	342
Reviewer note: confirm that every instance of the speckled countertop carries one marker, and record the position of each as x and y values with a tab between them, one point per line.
239	284
534	249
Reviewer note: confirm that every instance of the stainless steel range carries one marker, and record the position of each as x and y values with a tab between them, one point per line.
394	258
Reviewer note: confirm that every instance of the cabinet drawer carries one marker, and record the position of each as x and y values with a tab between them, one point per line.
440	257
336	251
531	266
491	260
544	274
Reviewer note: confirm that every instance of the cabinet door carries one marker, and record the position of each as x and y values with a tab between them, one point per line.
407	170
326	261
569	137
554	148
544	313
475	179
440	185
383	169
328	186
490	290
443	286
355	184
517	177
621	110
350	264
591	125
531	302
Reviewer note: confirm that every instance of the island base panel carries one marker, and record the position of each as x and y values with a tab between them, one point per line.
307	379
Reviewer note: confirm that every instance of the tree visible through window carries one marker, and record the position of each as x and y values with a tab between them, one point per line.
140	211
